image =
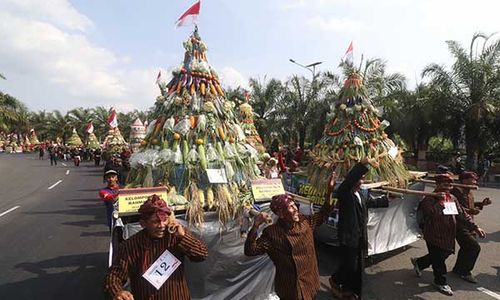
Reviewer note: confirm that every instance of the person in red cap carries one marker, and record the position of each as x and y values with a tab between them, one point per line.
290	244
109	194
469	247
139	252
441	215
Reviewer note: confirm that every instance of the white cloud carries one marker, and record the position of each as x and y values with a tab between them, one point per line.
231	77
335	24
59	12
49	67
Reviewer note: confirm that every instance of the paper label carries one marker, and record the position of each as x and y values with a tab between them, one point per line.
216	175
265	189
161	269
450	208
129	200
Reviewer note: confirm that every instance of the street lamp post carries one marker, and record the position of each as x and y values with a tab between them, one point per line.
310	67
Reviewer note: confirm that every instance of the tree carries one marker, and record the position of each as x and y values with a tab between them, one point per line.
79	118
12	113
472	85
265	96
60	125
302	102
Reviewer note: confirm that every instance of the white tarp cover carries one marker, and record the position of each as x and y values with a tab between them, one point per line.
229	274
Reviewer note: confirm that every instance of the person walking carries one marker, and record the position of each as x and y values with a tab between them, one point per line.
53	155
440	217
469	247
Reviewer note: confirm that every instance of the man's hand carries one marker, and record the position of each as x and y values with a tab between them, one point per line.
473	211
486	201
365	160
179	229
480	232
123	295
260	218
331	182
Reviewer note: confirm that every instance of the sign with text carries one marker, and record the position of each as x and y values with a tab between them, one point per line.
265	189
161	269
129	200
216	175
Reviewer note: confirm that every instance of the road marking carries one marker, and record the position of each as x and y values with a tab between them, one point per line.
67	172
8	211
64	164
52	186
489	293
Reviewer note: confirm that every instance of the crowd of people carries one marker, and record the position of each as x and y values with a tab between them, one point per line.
444	217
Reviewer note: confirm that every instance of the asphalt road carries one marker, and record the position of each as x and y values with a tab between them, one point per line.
54	241
54	244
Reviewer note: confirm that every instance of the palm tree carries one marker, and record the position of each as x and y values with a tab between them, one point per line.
79	118
12	113
472	85
60	126
100	120
40	121
303	103
265	96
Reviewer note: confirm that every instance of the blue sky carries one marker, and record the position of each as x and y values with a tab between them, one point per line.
60	54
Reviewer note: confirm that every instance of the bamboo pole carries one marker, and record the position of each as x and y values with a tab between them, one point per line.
299	198
417	174
407	191
472	187
374	185
390	192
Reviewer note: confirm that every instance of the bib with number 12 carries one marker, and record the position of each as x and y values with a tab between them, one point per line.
161	269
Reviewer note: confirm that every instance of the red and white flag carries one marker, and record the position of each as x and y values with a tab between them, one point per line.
113	120
90	128
158	77
349	52
189	16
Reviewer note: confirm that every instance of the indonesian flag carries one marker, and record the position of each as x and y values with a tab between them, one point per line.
349	52
90	128
158	77
189	16
113	120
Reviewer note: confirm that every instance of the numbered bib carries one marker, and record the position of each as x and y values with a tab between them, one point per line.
161	269
450	208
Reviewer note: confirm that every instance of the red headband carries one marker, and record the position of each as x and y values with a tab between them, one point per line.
154	205
280	202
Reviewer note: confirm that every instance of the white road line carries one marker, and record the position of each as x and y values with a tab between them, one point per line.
52	186
67	172
8	211
64	164
489	293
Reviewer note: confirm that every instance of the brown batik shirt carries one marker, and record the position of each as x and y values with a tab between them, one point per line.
291	248
139	252
440	229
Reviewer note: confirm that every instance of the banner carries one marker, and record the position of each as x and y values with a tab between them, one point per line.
129	200
265	189
298	184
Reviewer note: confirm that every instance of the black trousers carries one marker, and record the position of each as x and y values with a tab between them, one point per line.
350	273
468	253
436	257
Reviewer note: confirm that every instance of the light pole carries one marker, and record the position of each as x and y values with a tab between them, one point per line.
310	67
